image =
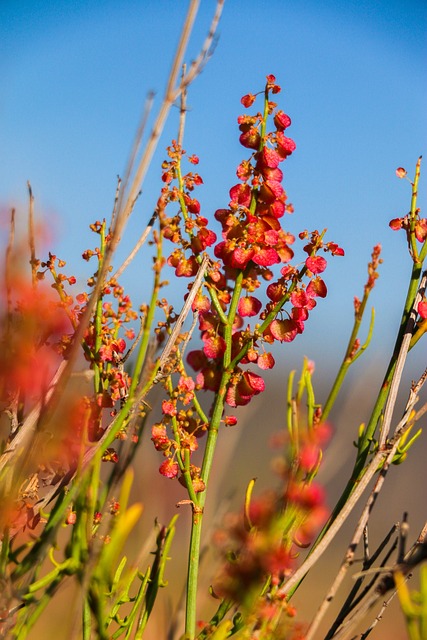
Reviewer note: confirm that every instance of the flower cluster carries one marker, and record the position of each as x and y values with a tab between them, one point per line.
104	344
261	547
238	318
186	427
253	240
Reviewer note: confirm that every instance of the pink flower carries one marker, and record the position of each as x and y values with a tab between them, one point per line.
169	469
249	306
401	172
316	264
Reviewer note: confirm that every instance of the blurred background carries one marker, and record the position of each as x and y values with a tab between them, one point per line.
74	78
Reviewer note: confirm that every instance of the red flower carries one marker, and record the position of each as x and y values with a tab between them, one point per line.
301	298
285	146
266	361
241	194
334	249
248	100
214	346
265	257
159	437
282	121
249	385
250	139
249	306
240	257
270	191
317	288
186	267
268	158
168	408
169	469
396	224
422	309
421	229
316	264
283	330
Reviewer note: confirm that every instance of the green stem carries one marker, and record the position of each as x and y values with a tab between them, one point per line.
149	319
196	526
349	357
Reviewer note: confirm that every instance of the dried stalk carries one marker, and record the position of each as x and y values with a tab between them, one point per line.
400	363
417	555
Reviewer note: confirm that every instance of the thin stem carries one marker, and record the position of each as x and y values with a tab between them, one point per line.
31	236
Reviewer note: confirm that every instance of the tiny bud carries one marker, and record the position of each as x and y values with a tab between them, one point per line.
71	518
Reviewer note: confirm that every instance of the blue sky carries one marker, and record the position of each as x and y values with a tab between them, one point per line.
74	77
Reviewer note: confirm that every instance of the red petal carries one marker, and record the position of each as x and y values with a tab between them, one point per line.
169	469
283	330
422	309
266	257
316	264
317	288
214	346
249	306
266	361
241	193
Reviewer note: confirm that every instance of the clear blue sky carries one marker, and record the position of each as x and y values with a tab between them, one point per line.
74	77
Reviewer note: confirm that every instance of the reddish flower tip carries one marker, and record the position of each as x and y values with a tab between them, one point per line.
248	100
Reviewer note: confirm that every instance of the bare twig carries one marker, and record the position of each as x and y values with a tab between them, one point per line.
173	91
404	425
116	200
183	315
378	618
182	110
137	247
400	363
414	558
133	156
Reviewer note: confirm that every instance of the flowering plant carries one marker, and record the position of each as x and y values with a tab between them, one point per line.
77	378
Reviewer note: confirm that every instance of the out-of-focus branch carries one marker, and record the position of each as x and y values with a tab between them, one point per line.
382	459
173	90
